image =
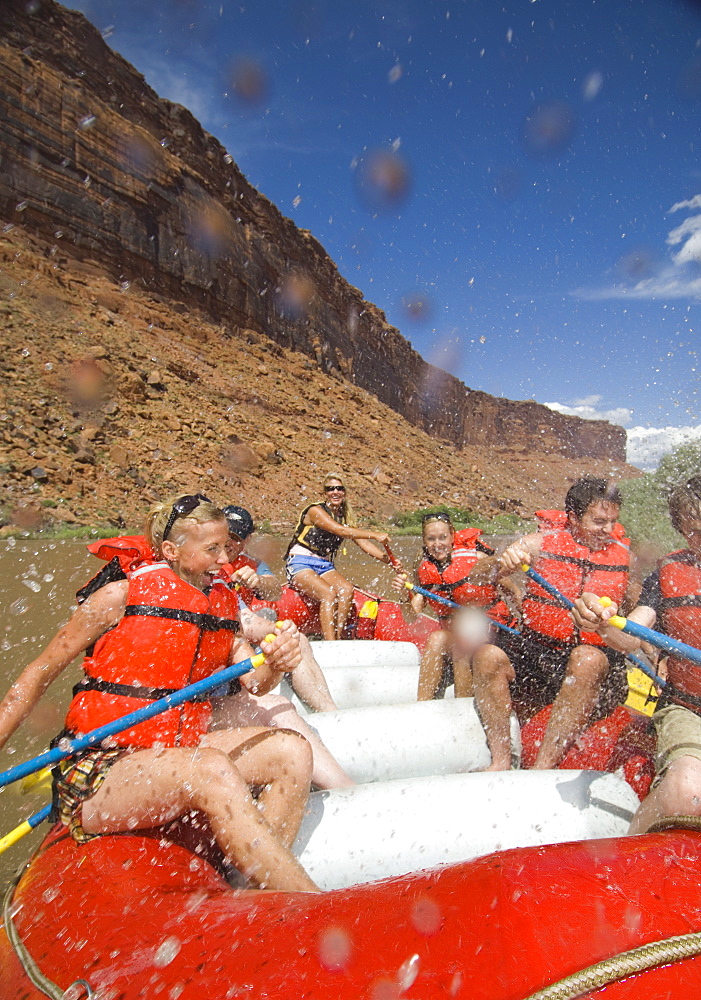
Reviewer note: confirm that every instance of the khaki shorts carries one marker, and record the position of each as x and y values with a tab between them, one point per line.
678	735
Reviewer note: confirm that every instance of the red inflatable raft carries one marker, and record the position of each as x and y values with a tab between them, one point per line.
370	617
137	916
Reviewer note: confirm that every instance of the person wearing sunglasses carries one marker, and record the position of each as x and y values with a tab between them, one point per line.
321	529
168	624
241	705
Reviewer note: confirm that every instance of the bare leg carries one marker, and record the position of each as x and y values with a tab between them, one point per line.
281	761
313	586
492	672
678	794
586	669
344	599
309	683
462	673
431	670
244	709
152	787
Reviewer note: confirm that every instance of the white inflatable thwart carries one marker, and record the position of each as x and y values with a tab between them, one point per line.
356	687
370	832
408	740
330	654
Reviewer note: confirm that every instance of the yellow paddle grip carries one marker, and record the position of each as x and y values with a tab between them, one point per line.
616	620
14	835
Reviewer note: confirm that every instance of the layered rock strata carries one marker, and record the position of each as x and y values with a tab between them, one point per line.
94	162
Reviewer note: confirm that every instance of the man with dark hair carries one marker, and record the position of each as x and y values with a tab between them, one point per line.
670	601
588	490
583	548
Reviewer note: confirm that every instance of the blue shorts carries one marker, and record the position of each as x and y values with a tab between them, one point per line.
316	564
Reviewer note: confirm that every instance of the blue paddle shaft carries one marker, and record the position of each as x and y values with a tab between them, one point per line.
566	602
664	642
553	591
452	604
90	739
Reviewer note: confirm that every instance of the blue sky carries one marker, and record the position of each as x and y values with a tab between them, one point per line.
527	172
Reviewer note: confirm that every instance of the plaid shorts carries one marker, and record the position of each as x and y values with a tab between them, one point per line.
76	780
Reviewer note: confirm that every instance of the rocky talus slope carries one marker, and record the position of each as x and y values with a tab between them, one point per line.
131	187
112	398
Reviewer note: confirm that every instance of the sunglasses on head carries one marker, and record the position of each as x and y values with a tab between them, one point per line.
438	516
334	489
183	507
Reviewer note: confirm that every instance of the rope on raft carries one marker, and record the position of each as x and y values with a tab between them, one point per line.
627	963
34	974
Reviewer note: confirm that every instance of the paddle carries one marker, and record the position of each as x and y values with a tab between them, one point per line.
554	592
24	828
90	739
664	642
215	680
451	604
393	561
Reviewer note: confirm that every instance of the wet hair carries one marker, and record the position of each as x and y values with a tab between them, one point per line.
346	512
160	513
588	490
685	501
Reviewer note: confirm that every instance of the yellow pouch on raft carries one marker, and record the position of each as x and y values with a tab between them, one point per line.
642	693
369	610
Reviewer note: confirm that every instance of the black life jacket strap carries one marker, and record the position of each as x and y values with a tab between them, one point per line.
146	693
586	564
672	695
545	599
205	622
682	601
109	573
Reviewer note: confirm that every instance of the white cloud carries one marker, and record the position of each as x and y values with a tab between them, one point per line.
647	445
587	409
679	277
694	202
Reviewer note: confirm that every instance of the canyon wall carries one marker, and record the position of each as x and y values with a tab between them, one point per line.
93	161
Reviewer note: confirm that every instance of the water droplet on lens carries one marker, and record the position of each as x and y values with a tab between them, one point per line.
383	180
166	952
548	129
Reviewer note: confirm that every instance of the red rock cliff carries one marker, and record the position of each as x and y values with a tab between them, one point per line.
133	183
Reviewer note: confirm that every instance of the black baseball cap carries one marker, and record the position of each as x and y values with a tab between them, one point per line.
239	521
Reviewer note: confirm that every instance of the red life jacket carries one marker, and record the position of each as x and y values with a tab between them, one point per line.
130	550
171	635
680	613
122	555
572	568
452	582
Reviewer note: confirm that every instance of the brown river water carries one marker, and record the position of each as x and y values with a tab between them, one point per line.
38	581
